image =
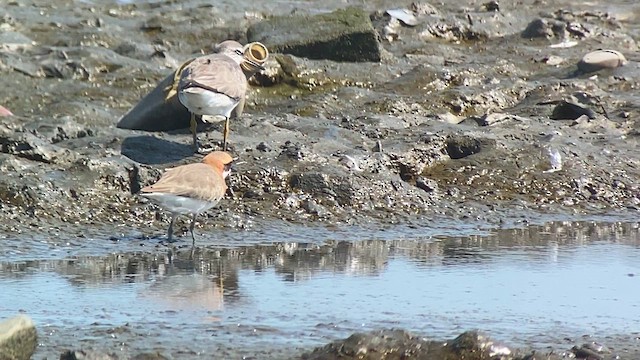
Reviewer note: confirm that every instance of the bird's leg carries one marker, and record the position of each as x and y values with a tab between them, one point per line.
193	225
225	134
193	125
170	232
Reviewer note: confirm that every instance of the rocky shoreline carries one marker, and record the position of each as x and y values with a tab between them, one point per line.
477	113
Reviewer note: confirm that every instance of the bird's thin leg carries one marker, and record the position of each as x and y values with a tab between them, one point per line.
193	225
193	125
225	134
170	232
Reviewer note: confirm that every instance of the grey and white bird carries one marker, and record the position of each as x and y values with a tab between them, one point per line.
214	85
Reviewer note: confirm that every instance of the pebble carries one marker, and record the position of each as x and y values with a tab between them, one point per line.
601	59
565	110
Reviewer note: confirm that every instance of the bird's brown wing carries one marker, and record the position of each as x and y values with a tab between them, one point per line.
199	181
215	72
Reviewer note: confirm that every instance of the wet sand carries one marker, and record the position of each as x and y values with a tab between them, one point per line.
413	193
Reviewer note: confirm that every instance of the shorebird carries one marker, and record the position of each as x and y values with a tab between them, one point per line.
191	189
214	85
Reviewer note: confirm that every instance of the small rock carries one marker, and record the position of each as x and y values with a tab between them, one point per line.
86	355
428	185
541	28
393	344
601	59
570	111
29	146
263	146
459	147
590	351
18	338
491	6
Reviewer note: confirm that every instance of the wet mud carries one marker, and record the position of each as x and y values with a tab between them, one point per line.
476	118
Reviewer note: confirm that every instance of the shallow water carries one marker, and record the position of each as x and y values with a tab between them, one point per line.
541	286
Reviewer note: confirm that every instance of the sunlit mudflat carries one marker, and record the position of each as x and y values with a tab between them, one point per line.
541	287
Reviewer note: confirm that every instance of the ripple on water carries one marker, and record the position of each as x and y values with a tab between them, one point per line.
527	287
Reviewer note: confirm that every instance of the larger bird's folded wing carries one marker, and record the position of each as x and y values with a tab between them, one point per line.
217	73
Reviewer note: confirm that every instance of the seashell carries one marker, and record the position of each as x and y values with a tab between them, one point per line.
404	15
4	111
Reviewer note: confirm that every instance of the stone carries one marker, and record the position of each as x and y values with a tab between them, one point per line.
459	147
343	35
18	338
86	355
601	59
157	111
565	110
542	28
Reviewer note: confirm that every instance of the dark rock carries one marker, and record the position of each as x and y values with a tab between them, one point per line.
263	146
491	6
542	28
470	344
294	151
398	344
383	344
565	110
343	35
150	356
309	182
29	146
157	111
583	352
86	355
18	338
462	146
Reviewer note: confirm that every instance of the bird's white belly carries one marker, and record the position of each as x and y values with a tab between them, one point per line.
180	204
205	102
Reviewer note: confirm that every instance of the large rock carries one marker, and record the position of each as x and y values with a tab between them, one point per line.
157	111
396	344
343	35
18	338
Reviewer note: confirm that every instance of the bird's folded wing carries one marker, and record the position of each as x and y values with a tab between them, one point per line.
193	180
220	74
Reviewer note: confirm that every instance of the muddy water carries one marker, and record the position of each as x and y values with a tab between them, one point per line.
541	286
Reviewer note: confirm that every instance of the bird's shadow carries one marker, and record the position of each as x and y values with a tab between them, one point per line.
150	150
